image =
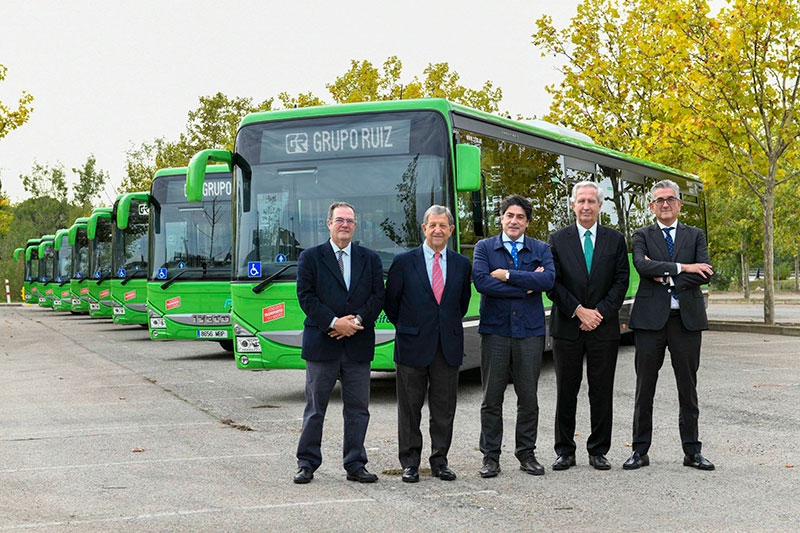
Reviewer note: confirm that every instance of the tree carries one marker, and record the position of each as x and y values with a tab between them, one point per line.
668	81
46	181
11	119
744	88
90	182
364	82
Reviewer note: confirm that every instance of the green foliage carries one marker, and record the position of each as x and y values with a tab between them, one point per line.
11	119
90	182
45	180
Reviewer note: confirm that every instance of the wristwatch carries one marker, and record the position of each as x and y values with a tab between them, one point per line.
508	275
357	320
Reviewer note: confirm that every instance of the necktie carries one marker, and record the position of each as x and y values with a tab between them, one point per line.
670	249
670	242
588	249
437	281
514	253
341	262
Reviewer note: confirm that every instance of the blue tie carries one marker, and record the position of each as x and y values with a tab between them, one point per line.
514	253
671	250
670	242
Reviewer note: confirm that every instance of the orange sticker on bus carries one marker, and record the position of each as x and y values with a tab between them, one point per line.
273	312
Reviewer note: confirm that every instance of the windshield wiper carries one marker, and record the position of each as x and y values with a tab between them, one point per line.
104	277
263	285
171	280
64	282
134	274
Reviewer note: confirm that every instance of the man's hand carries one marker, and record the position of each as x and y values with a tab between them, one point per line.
345	326
500	274
704	269
590	318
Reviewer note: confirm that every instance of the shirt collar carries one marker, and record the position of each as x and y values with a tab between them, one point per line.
582	230
428	251
336	248
506	238
673	226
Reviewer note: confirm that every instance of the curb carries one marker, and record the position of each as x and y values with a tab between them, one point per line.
792	330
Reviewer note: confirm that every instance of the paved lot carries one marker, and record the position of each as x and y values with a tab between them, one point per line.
102	429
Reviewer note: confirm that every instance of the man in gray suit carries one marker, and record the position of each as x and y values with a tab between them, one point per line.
669	312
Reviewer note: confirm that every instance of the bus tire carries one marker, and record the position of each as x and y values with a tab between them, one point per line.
227	345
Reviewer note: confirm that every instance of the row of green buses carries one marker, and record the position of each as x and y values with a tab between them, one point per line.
224	239
152	259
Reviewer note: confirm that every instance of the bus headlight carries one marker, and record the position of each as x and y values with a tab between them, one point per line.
157	322
248	345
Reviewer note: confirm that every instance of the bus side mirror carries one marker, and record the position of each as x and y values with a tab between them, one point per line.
196	172
468	168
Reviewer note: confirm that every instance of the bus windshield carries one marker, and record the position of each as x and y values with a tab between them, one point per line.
130	244
33	270
64	266
191	240
47	266
390	166
80	254
100	261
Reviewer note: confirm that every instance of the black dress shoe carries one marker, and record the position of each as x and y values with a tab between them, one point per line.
698	461
362	476
636	460
443	473
599	462
490	468
531	466
563	462
411	474
303	475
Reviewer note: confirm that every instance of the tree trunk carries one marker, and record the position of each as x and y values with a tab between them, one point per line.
769	248
745	275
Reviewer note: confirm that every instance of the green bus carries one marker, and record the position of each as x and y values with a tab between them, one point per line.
20	253
31	285
98	231
188	288
392	160
62	271
47	271
78	287
130	225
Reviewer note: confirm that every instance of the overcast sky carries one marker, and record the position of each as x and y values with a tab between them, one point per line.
109	75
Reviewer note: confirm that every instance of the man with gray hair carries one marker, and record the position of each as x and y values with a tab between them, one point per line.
669	312
427	295
591	281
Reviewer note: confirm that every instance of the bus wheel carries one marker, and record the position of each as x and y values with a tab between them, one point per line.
227	345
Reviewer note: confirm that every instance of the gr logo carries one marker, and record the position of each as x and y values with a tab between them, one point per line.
144	210
296	143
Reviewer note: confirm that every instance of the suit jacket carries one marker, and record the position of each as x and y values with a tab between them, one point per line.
506	307
421	324
652	305
604	289
323	295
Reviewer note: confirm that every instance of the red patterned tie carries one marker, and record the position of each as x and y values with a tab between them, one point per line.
438	280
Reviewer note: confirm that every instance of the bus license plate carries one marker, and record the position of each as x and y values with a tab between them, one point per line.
212	334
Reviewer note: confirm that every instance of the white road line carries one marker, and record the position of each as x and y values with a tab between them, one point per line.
143	462
459	494
179	513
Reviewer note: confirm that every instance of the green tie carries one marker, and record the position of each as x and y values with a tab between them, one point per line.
588	249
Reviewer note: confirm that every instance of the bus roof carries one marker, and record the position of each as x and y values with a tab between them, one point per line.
98	213
60	234
572	144
181	171
122	206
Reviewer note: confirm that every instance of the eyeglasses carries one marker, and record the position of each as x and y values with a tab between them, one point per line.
661	201
343	221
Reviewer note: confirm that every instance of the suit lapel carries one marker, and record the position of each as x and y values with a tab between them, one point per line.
356	265
575	248
679	240
657	235
422	271
330	262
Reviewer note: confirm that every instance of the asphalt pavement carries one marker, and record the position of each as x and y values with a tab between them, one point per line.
102	429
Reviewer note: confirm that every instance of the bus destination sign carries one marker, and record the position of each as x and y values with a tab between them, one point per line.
346	140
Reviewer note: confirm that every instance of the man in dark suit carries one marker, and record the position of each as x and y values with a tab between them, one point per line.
669	312
427	295
511	271
591	281
340	289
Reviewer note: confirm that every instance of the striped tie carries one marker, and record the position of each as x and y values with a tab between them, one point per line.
670	242
437	281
